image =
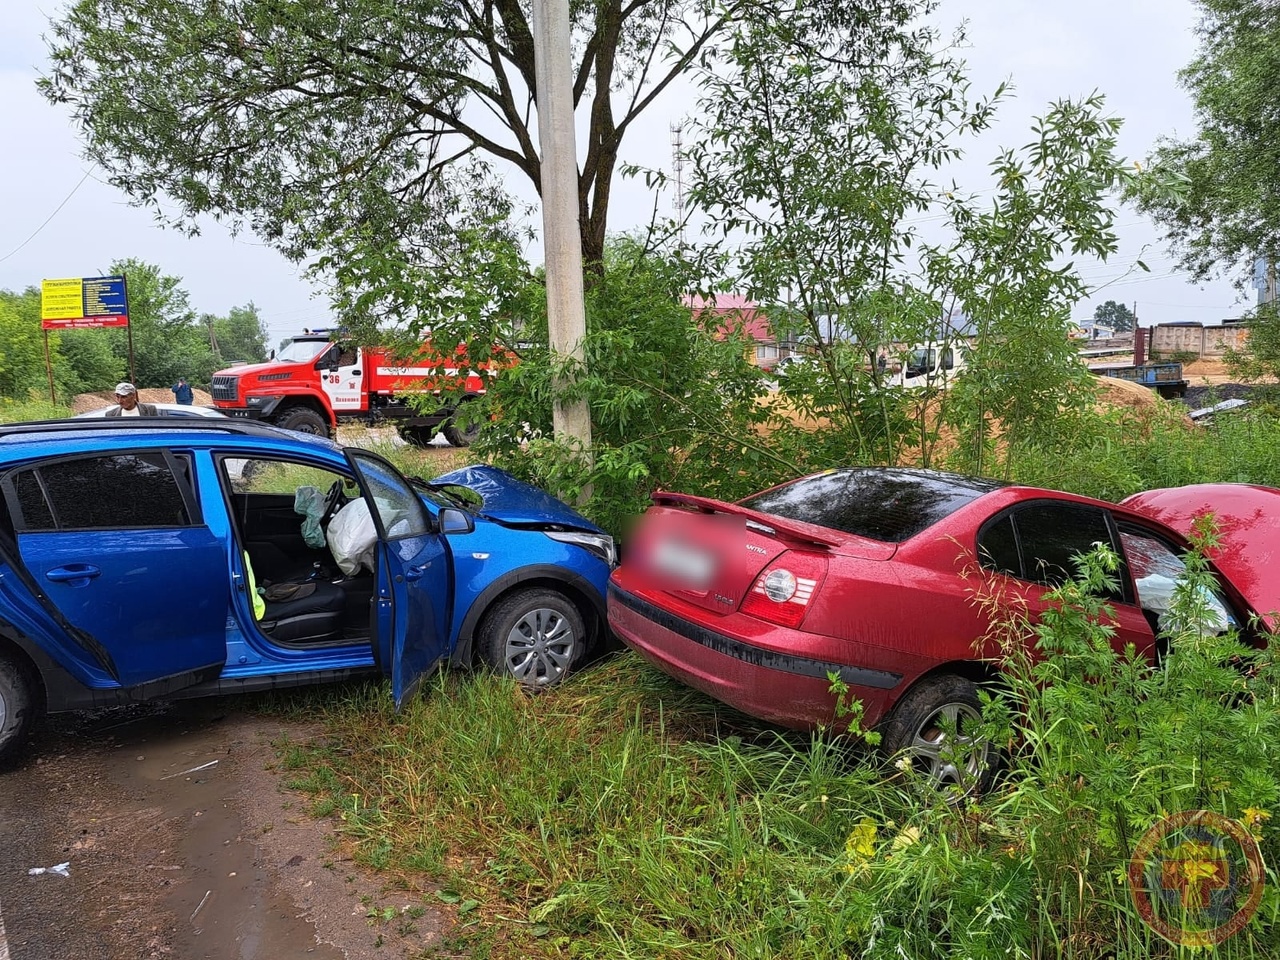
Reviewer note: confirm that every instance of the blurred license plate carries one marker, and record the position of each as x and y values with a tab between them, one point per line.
687	566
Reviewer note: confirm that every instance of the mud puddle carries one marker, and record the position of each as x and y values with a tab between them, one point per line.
181	841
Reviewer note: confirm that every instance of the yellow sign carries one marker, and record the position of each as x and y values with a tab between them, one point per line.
62	299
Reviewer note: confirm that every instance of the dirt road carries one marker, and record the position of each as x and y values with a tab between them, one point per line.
181	840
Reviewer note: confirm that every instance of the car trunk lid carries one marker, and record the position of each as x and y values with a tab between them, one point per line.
711	553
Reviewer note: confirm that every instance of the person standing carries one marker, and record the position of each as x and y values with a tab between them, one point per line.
182	392
127	404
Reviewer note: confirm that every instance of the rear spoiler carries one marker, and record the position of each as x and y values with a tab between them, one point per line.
796	531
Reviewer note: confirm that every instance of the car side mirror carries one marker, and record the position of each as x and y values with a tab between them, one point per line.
271	355
453	520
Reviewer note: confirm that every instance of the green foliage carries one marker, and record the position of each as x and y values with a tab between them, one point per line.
822	132
673	405
1110	744
240	335
305	119
22	369
1114	315
1116	453
816	137
1259	358
1224	215
20	411
1005	270
167	341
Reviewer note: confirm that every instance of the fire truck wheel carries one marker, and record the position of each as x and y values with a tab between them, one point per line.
463	429
304	420
418	436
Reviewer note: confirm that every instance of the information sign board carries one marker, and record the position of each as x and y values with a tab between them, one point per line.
84	302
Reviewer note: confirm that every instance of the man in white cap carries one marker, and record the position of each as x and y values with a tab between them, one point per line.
128	405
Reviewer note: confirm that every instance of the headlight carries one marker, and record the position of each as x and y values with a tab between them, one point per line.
601	544
257	401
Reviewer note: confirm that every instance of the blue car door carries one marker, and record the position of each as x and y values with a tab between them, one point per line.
117	552
413	576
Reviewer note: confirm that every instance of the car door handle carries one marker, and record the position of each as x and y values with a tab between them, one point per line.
71	572
415	573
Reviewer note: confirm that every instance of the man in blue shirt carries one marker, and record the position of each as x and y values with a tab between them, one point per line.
182	392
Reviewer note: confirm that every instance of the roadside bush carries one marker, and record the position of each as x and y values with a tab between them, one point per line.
672	404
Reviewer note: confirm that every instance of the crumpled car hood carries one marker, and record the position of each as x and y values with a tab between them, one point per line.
512	501
1248	521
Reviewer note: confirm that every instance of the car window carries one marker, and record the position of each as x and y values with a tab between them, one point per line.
253	475
399	510
885	505
123	491
1157	567
1050	535
998	547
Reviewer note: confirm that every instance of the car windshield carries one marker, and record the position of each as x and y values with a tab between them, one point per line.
885	505
300	351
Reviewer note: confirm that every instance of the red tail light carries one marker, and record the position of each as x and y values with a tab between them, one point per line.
782	592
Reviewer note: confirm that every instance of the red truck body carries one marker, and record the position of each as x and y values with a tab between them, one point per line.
314	383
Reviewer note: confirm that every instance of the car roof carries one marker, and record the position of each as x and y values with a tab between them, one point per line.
19	441
1248	521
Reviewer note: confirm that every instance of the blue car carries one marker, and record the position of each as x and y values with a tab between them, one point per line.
147	559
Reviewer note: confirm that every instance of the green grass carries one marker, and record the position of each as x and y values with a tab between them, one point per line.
622	815
18	411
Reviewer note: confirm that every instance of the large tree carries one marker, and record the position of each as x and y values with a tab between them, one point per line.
1114	315
825	138
1227	213
356	126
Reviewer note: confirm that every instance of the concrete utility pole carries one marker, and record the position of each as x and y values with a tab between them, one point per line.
562	237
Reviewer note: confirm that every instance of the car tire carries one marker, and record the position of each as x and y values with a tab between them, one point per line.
17	707
459	436
304	420
534	636
921	727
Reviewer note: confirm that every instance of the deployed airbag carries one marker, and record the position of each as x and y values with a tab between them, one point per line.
309	502
352	537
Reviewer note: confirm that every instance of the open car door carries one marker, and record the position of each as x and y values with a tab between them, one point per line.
412	576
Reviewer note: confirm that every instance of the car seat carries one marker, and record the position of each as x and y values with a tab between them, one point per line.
312	614
297	612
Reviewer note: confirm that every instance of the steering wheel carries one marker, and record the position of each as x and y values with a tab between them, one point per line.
332	500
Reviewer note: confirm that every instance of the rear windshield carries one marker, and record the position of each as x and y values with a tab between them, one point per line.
886	505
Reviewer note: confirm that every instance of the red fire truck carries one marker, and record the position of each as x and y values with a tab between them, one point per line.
314	382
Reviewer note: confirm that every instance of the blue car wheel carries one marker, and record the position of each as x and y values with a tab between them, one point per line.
534	636
17	707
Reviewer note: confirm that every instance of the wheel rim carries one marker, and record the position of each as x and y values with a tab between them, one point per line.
943	749
540	647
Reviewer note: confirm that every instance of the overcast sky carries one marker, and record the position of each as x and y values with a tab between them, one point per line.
1129	50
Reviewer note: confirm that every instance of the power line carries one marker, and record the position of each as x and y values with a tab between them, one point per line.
47	219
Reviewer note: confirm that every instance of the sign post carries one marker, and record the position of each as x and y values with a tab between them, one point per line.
83	302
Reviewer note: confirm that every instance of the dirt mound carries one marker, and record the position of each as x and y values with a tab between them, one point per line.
85	402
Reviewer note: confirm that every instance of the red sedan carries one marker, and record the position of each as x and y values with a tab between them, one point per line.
868	574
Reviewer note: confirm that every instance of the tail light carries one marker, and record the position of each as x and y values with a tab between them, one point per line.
782	592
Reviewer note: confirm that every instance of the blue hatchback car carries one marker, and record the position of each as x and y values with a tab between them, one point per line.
151	558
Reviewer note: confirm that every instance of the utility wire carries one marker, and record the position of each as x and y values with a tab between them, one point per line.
47	219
